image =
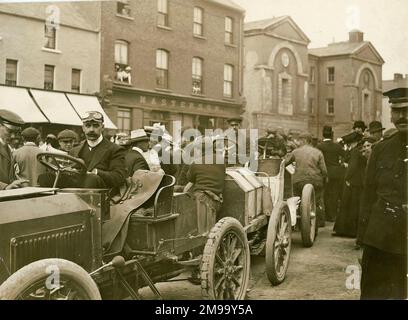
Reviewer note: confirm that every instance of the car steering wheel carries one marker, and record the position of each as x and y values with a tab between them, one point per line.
60	162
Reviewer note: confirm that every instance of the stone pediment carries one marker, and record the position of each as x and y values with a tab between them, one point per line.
287	29
369	53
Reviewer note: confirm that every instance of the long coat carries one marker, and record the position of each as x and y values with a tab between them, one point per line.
109	159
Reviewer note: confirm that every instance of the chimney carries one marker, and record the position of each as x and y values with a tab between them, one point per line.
356	36
398	76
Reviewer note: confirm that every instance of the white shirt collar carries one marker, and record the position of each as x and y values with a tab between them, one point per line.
93	144
325	140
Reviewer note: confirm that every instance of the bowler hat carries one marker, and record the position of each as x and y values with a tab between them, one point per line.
375	126
359	124
30	133
327	132
398	97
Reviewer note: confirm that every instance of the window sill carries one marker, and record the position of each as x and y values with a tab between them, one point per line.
51	50
228	99
122	83
199	37
163	90
230	45
330	83
125	17
164	28
198	95
329	114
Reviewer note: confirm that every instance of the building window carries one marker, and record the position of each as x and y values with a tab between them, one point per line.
163	13
198	21
122	69
123	8
49	77
76	80
311	105
11	72
197	75
228	30
50	34
162	68
312	75
228	76
285	86
330	75
330	106
124	120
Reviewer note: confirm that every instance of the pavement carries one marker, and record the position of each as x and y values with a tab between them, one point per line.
327	271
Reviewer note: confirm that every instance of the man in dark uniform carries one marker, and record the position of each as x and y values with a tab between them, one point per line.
384	210
333	157
9	124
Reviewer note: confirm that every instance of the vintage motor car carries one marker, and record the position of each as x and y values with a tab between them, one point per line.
81	244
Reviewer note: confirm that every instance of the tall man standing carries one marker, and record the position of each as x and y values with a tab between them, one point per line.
333	157
384	210
104	160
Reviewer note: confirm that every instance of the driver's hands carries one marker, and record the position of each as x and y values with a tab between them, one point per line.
20	183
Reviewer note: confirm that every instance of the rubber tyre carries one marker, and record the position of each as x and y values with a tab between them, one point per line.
34	272
223	228
274	239
308	204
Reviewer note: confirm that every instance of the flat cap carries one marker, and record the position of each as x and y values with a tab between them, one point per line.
30	133
67	134
398	97
9	117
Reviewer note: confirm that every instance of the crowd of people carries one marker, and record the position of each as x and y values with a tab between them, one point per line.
359	180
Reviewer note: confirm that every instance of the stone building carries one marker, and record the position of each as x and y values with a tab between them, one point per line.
399	81
276	74
345	84
164	61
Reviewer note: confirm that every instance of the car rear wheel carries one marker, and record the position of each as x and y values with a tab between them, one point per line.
226	262
50	279
278	243
308	216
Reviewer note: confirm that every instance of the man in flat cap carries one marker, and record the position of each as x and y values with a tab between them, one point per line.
384	210
105	161
9	124
67	139
333	157
26	165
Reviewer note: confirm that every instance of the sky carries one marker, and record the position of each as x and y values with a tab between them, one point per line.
384	23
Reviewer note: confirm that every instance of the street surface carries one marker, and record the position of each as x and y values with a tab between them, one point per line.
314	273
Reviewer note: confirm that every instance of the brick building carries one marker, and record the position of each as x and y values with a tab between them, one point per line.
50	62
166	60
345	84
276	74
399	81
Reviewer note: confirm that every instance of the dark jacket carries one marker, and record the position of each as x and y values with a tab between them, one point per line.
310	166
333	157
356	168
384	219
6	166
207	177
135	161
109	159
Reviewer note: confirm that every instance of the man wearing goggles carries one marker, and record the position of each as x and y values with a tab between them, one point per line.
10	124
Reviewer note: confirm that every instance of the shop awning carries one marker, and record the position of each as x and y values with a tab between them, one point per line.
83	103
56	107
18	100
